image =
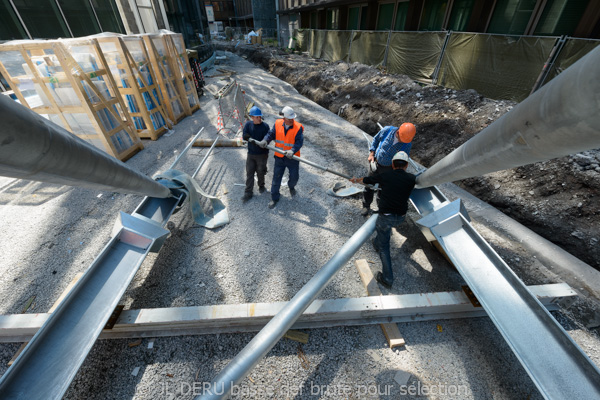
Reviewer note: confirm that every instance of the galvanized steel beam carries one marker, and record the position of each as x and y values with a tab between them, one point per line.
48	364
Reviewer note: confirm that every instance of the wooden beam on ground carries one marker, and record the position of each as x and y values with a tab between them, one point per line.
390	330
252	317
50	311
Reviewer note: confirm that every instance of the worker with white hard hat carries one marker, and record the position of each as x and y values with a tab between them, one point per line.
388	142
396	185
289	137
256	159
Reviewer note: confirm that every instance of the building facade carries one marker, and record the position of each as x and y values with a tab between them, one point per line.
577	18
50	19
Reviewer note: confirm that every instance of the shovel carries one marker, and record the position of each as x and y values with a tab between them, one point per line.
339	189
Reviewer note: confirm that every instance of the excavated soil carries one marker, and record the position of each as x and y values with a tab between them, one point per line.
557	199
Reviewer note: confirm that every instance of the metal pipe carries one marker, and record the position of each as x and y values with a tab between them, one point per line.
221	143
33	148
205	158
184	151
264	341
312	164
559	119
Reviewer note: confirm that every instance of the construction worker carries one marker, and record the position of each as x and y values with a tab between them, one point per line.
289	136
396	185
386	143
256	160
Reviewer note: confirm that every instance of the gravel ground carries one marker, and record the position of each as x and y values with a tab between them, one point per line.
50	233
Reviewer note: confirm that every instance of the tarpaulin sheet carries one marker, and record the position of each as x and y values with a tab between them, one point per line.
336	44
368	47
302	36
572	51
317	38
497	66
415	54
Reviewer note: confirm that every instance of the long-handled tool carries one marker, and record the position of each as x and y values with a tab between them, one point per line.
312	164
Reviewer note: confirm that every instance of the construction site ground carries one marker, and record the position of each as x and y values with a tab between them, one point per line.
50	233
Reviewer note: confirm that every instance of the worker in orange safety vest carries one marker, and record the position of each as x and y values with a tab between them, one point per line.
289	137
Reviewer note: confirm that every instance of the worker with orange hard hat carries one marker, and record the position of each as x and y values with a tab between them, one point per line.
388	141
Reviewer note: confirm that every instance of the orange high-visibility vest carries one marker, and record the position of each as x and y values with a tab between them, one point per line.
283	141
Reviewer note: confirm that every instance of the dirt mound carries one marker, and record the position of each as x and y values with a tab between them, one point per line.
556	198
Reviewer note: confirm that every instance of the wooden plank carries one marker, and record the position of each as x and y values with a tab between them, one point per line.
50	311
391	331
252	317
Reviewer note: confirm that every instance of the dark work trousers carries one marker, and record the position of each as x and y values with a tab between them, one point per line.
368	193
255	163
383	227
281	163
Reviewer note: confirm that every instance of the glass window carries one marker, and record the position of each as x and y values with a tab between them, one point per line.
42	18
313	20
432	18
10	26
560	17
461	13
363	17
80	17
332	18
511	16
401	14
108	15
353	14
384	18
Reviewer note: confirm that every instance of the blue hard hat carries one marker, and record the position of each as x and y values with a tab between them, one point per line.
255	112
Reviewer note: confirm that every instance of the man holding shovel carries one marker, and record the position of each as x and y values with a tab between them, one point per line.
396	185
388	141
289	137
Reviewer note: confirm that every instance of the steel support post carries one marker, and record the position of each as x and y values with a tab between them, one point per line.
33	148
264	341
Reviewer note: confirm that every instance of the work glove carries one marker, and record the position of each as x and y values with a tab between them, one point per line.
263	144
289	154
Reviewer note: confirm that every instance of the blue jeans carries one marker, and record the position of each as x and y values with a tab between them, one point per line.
281	163
383	228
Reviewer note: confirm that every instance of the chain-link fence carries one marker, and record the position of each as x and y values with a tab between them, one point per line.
232	110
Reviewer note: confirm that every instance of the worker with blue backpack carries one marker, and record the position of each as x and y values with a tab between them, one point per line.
256	160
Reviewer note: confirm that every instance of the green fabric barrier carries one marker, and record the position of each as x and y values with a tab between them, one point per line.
415	54
302	36
335	46
497	66
368	47
572	51
316	43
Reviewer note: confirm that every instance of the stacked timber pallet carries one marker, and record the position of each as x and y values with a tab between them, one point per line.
108	89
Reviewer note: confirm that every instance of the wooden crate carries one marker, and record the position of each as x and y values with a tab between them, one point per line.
166	77
76	92
131	67
181	64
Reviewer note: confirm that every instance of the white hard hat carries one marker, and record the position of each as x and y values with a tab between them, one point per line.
400	156
288	113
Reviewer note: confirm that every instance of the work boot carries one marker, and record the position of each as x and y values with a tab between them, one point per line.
247	196
273	203
262	189
379	278
365	211
292	192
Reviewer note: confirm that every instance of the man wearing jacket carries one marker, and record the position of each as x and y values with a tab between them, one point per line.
392	200
256	160
388	141
289	137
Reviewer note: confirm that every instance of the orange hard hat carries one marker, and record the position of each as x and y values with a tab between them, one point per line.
406	132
